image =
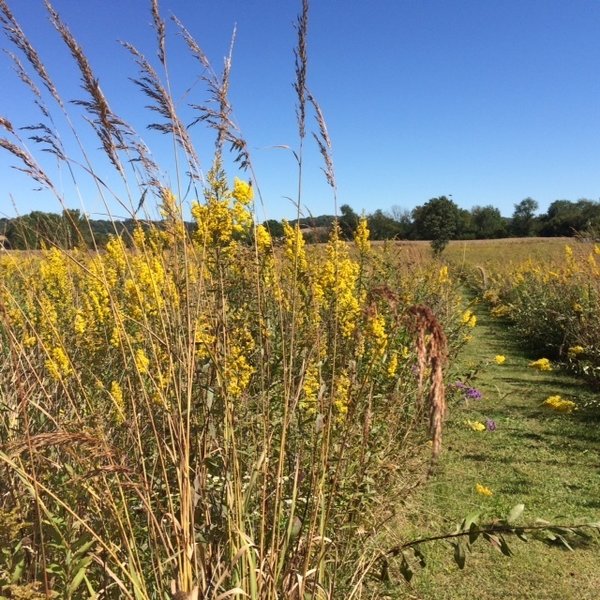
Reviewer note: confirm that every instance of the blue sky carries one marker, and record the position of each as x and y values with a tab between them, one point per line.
490	102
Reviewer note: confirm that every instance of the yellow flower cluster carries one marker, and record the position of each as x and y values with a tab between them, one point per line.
263	239
500	359
542	364
361	236
469	319
339	284
559	405
310	389
482	490
476	425
58	364
116	394
443	275
224	214
575	351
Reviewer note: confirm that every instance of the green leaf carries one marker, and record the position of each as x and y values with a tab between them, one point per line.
420	556
473	533
515	513
17	571
521	535
76	581
504	547
469	521
406	569
460	556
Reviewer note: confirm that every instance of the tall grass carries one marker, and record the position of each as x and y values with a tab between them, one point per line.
204	414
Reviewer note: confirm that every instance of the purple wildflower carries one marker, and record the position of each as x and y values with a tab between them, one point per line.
490	425
460	385
473	394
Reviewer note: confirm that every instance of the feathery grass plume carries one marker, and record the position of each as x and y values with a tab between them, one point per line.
163	104
217	113
301	61
6	124
432	354
26	79
324	143
106	124
159	27
18	37
30	167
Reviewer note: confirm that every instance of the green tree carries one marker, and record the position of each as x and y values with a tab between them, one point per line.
348	221
383	227
523	222
566	218
487	222
275	228
437	220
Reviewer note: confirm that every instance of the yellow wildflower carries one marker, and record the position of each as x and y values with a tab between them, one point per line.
500	359
29	341
469	319
295	246
476	425
263	238
443	275
310	388
361	237
543	364
242	191
392	366
116	394
378	336
79	325
341	398
483	490
559	405
58	364
575	351
238	370
142	362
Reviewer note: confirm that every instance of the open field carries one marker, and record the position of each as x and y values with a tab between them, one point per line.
495	254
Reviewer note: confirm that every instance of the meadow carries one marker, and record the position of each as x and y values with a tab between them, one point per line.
201	413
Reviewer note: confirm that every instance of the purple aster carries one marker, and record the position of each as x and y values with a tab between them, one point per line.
490	425
473	393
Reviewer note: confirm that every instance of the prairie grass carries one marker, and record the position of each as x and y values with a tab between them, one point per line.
197	414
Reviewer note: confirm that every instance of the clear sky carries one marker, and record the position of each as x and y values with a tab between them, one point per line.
489	101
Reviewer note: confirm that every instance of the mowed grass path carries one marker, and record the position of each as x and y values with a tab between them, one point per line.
546	460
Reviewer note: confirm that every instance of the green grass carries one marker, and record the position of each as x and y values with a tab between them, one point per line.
548	461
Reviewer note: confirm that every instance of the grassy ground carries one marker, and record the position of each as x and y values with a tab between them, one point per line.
486	253
546	460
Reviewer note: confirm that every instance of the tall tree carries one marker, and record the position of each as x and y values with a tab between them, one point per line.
487	222
348	221
437	220
523	219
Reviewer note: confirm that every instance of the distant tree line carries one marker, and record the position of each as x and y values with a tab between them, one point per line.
439	219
